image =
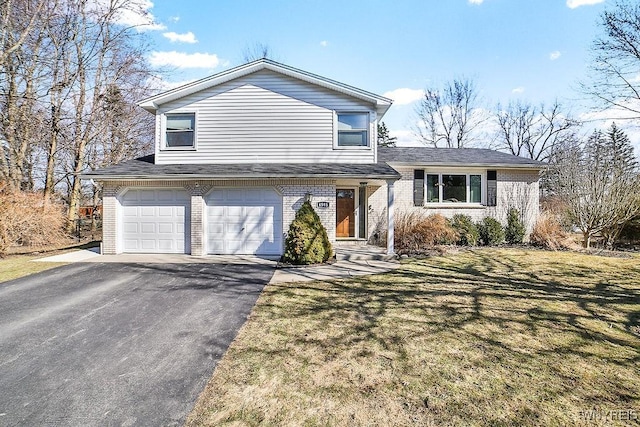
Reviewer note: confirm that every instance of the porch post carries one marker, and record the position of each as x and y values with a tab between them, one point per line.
390	236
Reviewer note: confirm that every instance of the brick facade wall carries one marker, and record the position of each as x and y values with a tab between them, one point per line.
293	193
323	191
515	188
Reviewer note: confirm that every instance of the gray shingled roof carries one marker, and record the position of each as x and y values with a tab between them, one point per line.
145	168
428	156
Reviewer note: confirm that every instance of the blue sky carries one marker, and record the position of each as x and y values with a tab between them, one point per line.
533	50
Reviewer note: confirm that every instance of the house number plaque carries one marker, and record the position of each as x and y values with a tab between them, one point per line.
323	205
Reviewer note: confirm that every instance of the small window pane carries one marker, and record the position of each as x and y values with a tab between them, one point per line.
432	189
352	121
352	139
475	188
180	130
180	139
454	188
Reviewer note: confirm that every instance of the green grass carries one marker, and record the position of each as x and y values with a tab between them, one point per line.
16	266
492	337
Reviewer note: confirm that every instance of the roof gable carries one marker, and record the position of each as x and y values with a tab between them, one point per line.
151	104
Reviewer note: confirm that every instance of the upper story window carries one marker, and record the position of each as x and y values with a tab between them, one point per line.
180	130
353	129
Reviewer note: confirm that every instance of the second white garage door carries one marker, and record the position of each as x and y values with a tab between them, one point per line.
244	221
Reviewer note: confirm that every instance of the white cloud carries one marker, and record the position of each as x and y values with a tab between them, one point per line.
158	83
184	60
555	55
405	138
324	43
404	95
174	18
476	1
182	38
625	119
132	13
171	85
572	4
519	89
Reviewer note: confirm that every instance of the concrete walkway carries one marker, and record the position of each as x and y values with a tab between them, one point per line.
351	261
79	255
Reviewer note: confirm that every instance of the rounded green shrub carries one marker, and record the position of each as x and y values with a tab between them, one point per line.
515	231
491	231
307	241
467	231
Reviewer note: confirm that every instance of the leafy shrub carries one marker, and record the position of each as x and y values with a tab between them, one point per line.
26	220
307	241
414	232
515	231
467	231
548	233
491	231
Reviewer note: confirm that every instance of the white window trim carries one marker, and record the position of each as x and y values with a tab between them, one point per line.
467	173
163	131
352	147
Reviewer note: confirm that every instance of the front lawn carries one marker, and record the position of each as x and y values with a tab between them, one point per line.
15	266
484	337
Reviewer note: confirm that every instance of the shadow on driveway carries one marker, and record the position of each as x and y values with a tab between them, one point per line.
118	344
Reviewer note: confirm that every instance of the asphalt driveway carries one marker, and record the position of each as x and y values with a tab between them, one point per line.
118	344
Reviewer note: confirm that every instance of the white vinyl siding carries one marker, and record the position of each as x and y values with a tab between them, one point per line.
265	118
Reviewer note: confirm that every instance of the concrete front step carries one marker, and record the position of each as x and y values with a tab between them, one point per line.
361	253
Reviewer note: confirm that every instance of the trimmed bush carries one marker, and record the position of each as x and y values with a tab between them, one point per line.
467	231
26	220
307	241
491	231
515	231
414	232
549	234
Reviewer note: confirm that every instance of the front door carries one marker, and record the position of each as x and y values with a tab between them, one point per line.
346	213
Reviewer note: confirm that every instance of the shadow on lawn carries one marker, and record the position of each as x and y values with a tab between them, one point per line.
567	310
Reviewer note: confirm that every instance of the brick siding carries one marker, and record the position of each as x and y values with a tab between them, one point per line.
515	188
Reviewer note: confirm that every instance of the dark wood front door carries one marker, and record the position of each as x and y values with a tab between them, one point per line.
345	213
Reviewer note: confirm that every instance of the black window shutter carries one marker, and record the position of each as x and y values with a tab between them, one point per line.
492	188
418	187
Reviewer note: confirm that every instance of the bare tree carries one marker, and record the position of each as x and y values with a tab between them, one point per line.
616	59
257	51
527	131
69	79
599	182
449	116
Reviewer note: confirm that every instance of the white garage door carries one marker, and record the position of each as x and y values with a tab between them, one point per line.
155	221
244	221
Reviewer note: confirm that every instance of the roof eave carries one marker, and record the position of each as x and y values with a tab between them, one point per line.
474	165
253	177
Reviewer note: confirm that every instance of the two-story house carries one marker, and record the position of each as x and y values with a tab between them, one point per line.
236	154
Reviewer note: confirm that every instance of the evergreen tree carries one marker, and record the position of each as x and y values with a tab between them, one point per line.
599	182
384	139
307	241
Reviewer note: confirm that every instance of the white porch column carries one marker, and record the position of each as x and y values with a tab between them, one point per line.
390	236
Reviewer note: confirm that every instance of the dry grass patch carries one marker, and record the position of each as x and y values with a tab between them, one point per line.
15	266
485	337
